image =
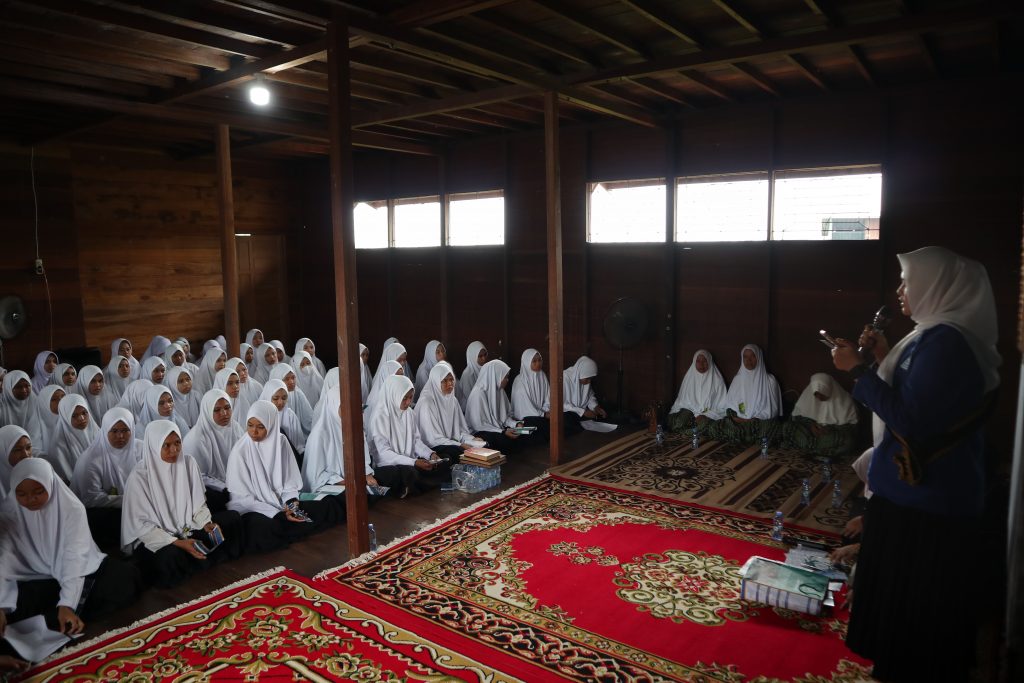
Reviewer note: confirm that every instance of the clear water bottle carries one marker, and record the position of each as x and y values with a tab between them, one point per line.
805	492
764	447
777	526
826	470
373	537
659	435
837	495
695	441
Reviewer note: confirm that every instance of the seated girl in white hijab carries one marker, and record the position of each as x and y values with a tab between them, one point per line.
331	380
264	360
476	356
282	356
395	354
42	370
296	398
123	347
15	446
489	412
388	368
46	404
49	563
323	463
753	403
276	393
365	374
264	482
578	399
65	376
210	442
101	472
134	397
154	369
166	522
433	353
117	376
186	401
186	347
439	416
75	431
824	419
90	384
249	390
246	353
214	360
17	404
175	357
306	344
254	338
308	377
531	394
156	348
401	459
160	406
701	397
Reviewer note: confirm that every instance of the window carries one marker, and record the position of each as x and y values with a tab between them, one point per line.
476	218
418	222
722	208
371	225
827	204
626	211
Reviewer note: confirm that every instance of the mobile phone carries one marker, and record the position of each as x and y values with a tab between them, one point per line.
827	339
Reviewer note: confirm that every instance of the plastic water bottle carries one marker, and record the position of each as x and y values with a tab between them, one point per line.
805	492
837	495
695	441
764	447
826	470
777	526
659	435
373	537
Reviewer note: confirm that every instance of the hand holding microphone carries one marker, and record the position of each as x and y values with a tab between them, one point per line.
873	339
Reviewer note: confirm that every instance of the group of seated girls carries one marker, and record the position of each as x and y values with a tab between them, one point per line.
823	421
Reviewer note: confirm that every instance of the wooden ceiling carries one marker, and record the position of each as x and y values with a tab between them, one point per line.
162	74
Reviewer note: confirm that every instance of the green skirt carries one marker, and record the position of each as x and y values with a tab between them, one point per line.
747	433
831	441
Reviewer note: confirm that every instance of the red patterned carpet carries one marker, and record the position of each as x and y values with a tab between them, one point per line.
564	581
276	628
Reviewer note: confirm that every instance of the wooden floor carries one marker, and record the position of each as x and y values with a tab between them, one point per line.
392	518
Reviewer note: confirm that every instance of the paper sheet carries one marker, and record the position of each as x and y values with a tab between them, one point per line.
595	426
33	640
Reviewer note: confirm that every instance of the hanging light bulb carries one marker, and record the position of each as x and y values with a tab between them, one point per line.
258	92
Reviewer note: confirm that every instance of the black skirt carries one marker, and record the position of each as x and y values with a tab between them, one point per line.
916	594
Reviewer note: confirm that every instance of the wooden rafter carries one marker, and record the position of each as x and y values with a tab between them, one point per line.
825	10
536	38
741	15
429	12
660	17
861	63
928	52
491	49
757	78
606	33
663	90
707	84
804	68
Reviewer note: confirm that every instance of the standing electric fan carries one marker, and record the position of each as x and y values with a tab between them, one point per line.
625	326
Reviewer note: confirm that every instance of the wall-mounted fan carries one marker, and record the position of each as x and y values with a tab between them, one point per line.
625	326
12	316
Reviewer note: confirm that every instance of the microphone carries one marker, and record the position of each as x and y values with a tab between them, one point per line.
878	324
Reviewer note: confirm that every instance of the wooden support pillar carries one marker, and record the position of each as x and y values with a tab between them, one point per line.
228	252
553	192
342	224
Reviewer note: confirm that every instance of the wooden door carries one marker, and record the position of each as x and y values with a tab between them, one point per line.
263	286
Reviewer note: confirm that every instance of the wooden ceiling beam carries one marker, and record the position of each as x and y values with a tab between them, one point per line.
75	80
928	52
608	34
204	15
825	10
453	103
429	12
804	68
742	16
707	84
381	61
660	17
663	90
861	64
773	47
494	50
76	67
758	79
538	39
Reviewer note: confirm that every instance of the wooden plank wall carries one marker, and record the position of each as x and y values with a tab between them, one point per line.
58	247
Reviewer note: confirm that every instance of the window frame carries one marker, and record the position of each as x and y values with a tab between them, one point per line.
480	194
628	183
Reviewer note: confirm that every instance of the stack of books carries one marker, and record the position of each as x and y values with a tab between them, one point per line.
483	457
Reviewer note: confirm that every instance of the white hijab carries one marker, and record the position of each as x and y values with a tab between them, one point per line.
53	541
279	346
531	391
429	361
488	408
115	350
317	363
388	420
151	364
308	379
134	397
209	443
290	424
323	462
113	381
440	416
151	411
252	333
168	355
331	381
260	367
10	435
702	393
40	377
296	399
19	412
365	375
46	418
100	403
156	348
203	381
754	394
165	495
186	406
58	377
262	476
248	391
392	351
386	369
243	350
944	288
103	464
68	443
469	375
578	397
837	409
